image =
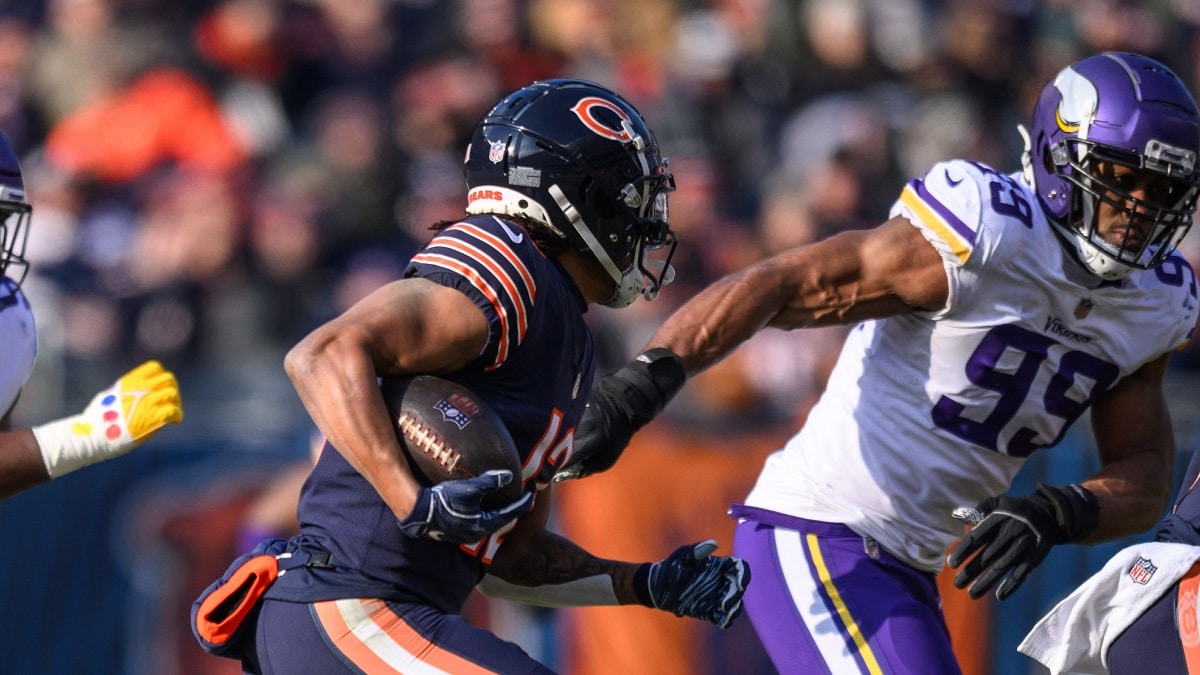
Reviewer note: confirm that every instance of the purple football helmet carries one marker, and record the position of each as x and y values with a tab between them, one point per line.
1123	109
580	160
14	215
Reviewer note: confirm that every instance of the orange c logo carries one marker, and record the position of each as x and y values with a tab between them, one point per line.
583	110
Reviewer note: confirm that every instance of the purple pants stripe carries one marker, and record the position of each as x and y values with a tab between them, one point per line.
825	600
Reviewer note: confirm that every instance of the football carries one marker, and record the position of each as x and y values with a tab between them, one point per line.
449	433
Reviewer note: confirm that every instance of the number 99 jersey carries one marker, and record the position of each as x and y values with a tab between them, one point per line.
950	403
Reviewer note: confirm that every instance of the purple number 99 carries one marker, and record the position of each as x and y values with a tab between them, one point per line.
1014	387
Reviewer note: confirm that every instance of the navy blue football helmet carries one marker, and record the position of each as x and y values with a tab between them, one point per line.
578	159
1124	109
14	215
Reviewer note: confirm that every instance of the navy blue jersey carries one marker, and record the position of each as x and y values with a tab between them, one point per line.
535	372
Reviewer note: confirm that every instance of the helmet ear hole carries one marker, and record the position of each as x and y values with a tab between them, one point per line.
1048	160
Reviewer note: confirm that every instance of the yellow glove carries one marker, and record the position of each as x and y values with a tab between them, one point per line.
117	420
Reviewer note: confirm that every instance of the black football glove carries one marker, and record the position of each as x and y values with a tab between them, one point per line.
691	582
453	510
618	406
1013	535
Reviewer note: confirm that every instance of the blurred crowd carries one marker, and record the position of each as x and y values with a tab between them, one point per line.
213	178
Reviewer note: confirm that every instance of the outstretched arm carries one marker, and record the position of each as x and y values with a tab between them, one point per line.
539	567
850	277
117	420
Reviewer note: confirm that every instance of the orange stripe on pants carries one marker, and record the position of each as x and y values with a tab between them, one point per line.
375	639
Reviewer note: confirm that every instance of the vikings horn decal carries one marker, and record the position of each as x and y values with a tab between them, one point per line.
583	110
1078	105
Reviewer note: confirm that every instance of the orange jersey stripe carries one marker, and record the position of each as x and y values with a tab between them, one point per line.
482	286
504	250
505	280
375	640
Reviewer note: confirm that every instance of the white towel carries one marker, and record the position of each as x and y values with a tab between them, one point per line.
1075	636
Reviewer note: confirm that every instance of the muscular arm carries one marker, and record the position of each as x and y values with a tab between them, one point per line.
407	327
850	277
1137	449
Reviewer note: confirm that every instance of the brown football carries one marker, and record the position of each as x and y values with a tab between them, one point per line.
449	433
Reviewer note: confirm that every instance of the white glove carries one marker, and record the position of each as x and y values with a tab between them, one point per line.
117	420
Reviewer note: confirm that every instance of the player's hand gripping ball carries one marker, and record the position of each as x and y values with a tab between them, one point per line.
463	456
449	433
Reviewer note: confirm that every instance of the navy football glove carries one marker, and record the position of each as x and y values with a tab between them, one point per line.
453	510
618	406
1013	535
691	582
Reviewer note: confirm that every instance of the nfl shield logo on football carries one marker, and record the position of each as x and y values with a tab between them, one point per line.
496	151
1083	308
451	413
1142	570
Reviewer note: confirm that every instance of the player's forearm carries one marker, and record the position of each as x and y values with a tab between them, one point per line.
337	385
1132	424
21	463
1133	494
551	570
720	318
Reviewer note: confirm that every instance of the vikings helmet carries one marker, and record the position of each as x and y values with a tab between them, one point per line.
578	159
1123	109
14	214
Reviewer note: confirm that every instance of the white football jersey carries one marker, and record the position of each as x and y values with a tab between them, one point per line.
950	403
19	336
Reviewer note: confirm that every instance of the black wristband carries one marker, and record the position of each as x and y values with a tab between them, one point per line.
657	374
1076	510
641	585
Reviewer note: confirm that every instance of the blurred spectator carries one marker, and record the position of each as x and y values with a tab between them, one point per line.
84	53
17	117
496	31
165	115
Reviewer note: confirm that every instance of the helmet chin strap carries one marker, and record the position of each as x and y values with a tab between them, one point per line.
1089	253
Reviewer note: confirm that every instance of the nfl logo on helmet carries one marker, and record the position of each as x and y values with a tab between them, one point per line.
495	151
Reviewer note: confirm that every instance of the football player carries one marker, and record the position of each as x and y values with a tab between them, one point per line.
990	312
118	419
566	206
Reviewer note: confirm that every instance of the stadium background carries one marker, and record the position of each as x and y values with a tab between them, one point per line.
211	179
